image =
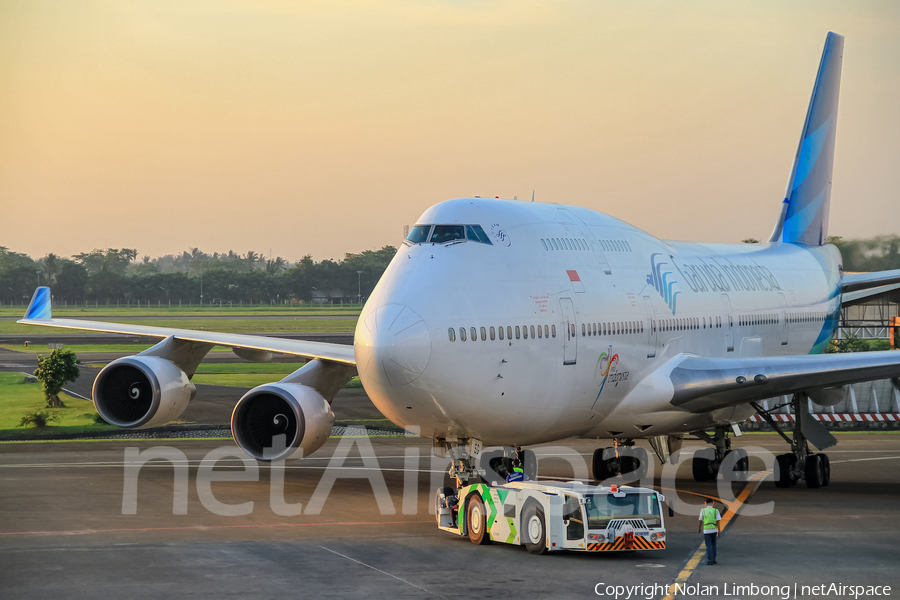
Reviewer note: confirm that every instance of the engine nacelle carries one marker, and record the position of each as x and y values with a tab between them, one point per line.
138	392
296	411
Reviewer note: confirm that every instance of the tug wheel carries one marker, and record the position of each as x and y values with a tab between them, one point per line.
476	520
534	530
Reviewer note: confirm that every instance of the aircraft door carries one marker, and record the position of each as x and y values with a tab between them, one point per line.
728	323
570	340
784	324
651	327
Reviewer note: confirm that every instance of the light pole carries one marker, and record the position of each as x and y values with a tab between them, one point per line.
167	296
359	287
201	288
39	278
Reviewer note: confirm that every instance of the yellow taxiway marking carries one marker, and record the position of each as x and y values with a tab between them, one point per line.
733	508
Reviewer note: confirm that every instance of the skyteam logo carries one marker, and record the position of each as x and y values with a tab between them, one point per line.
662	281
605	362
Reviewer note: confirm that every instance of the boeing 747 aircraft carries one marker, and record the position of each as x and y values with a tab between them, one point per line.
508	323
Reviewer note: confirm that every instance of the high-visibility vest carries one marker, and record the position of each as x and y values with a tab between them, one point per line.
709	517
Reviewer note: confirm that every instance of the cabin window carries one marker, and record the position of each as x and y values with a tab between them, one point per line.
553	330
483	334
474	334
583	331
462	334
500	331
451	333
509	332
540	333
493	336
544	244
518	333
532	332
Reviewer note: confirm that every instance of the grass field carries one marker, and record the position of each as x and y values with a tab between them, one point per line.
79	349
250	374
249	325
102	310
17	398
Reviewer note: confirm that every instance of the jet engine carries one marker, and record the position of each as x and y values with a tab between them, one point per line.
295	411
137	392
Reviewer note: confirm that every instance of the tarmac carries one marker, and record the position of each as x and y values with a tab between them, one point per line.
66	530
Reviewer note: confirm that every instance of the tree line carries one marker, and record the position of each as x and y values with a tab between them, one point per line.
117	275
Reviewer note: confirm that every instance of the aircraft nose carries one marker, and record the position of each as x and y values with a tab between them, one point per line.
392	345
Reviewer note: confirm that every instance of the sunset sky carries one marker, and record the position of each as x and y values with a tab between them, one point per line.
325	127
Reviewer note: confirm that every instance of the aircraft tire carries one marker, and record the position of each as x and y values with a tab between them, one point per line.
600	467
700	468
783	470
814	471
826	467
741	465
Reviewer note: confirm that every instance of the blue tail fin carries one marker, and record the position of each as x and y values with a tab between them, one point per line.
40	304
804	214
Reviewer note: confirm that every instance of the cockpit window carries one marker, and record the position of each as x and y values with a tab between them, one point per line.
474	233
418	234
447	233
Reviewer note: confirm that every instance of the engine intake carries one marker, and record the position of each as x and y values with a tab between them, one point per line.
138	392
296	411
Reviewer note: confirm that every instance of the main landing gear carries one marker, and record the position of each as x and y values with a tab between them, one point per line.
622	459
707	463
800	463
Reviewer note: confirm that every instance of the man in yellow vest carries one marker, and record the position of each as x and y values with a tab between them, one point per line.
709	527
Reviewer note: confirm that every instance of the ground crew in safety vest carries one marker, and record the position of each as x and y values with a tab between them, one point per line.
709	527
517	473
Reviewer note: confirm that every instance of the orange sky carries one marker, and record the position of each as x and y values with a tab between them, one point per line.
324	127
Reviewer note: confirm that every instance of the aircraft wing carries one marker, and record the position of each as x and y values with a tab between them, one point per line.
861	281
704	384
38	313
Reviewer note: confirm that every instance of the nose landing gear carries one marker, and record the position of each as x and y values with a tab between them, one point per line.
623	459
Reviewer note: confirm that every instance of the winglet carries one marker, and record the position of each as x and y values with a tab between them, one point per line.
804	213
40	304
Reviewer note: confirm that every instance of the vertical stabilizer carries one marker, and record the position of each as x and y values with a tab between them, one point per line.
804	213
40	305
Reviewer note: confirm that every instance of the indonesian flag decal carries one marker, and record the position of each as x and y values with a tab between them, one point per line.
573	275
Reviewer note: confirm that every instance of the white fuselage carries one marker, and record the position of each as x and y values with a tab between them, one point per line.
618	305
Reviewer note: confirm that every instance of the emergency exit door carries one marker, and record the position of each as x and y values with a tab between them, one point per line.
651	327
570	340
728	323
784	324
